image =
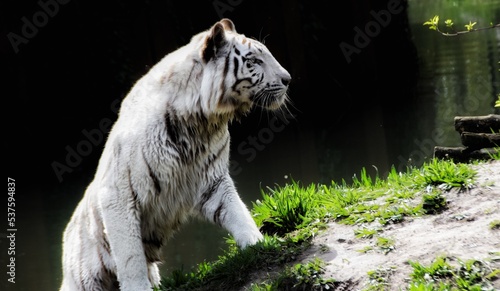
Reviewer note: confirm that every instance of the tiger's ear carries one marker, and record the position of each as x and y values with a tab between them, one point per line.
228	24
215	40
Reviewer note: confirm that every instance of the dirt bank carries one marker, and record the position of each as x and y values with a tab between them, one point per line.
462	231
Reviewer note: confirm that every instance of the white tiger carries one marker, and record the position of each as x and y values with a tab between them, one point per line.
166	158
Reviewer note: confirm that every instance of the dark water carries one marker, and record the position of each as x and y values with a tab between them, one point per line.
456	76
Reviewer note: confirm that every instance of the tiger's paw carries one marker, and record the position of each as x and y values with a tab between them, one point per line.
249	239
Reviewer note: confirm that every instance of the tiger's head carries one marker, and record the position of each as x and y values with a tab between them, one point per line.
240	72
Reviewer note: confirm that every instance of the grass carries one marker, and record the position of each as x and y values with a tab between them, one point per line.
291	215
285	209
434	202
495	224
385	244
496	154
298	277
379	278
232	268
441	274
446	174
366	232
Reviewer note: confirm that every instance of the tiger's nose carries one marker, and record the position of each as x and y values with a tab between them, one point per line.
286	80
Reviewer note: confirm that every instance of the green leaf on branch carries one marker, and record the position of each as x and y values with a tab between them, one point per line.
433	22
470	26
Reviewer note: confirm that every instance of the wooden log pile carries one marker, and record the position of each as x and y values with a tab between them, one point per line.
480	136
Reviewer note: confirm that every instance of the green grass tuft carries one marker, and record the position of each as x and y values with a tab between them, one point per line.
496	154
434	203
299	277
442	275
385	244
495	224
446	174
379	278
366	232
285	209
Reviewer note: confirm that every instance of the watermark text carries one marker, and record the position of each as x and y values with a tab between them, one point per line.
11	230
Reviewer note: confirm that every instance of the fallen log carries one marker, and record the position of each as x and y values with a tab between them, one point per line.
474	140
485	124
463	154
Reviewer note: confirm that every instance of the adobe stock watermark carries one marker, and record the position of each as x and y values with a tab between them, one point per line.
92	138
223	6
372	29
253	144
39	19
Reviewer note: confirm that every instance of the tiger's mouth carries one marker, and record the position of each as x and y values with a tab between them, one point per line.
271	98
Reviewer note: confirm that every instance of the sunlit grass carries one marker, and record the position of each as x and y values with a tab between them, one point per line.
442	275
298	277
496	154
285	209
366	232
446	174
495	224
385	244
379	278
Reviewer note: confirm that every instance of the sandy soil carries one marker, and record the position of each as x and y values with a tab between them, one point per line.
462	231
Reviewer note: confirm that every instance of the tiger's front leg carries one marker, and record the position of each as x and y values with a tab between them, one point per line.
222	205
123	231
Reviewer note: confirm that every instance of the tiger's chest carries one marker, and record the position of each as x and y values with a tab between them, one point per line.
185	170
180	165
